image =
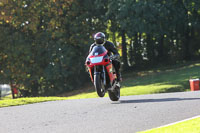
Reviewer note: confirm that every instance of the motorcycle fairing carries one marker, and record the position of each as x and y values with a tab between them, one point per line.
98	57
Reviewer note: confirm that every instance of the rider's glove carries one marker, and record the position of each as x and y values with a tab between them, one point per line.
114	57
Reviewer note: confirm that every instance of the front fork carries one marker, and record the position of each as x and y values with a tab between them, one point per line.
104	76
103	73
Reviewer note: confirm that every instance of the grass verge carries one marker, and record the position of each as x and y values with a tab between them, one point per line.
23	101
190	126
173	79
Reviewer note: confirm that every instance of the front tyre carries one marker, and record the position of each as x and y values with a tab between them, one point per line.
99	86
114	95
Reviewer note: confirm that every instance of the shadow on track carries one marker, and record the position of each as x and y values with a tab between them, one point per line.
155	100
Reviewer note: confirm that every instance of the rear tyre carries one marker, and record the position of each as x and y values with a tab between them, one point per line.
99	86
115	94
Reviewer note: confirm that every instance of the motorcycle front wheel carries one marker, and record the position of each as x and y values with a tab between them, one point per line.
99	86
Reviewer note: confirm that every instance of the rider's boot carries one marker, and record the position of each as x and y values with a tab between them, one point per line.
119	78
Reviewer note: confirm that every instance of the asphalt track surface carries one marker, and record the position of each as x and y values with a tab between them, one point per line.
100	115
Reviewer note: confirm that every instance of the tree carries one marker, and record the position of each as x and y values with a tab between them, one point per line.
48	42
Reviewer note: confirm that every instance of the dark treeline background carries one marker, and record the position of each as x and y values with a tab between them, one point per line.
44	43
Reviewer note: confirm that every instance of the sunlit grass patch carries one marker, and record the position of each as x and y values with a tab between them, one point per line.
147	89
23	101
190	126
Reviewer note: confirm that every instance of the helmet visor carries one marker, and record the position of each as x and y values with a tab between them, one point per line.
99	41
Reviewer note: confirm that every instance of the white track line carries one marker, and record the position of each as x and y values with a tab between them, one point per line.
175	123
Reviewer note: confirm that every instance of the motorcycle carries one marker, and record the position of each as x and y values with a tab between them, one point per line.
102	73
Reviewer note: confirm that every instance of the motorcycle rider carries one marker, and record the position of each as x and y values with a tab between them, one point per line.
100	39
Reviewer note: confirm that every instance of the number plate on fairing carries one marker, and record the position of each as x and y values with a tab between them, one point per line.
96	59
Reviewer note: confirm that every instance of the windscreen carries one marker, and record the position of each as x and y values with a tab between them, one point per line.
97	50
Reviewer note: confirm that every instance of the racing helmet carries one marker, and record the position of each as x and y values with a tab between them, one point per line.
99	38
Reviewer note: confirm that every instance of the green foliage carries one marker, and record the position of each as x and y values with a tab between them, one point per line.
44	43
169	28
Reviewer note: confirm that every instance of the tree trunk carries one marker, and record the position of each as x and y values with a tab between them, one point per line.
161	49
131	53
34	88
187	55
137	51
114	38
150	49
124	51
12	91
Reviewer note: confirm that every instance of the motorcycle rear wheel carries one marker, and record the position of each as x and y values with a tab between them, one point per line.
99	86
114	95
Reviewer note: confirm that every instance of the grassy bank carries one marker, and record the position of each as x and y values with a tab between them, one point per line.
171	79
23	101
160	81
